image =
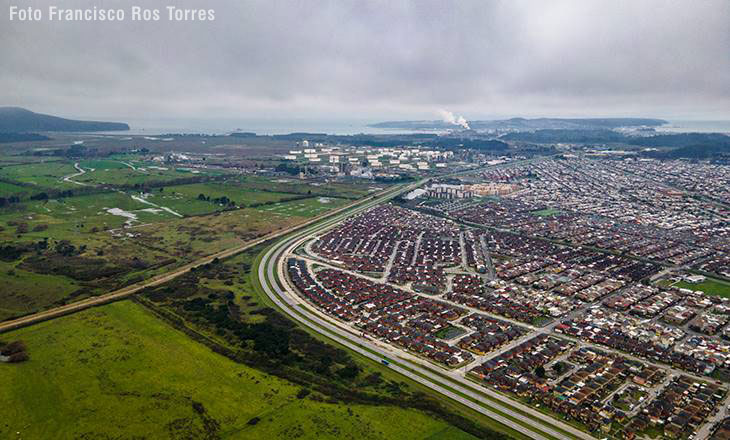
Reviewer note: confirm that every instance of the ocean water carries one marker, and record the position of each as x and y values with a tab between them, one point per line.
338	127
261	127
696	126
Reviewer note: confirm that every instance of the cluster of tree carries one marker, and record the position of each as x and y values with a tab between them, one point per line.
75	266
20	226
400	179
13	352
11	252
48	194
287	167
76	151
7	201
223	200
149	184
53	195
6	138
66	249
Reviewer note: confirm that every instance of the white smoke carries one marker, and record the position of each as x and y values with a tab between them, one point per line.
453	119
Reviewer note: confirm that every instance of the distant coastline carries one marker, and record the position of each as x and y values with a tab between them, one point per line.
262	127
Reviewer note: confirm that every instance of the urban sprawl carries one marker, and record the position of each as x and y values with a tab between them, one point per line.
581	286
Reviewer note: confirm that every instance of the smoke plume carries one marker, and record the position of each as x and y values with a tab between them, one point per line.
453	119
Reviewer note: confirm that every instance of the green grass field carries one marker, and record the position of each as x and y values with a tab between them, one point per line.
709	286
118	372
26	292
42	174
103	164
546	212
8	189
184	198
294	185
119	173
304	208
73	215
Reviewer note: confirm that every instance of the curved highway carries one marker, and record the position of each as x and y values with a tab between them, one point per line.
522	418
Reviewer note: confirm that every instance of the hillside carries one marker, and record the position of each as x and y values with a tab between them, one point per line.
19	120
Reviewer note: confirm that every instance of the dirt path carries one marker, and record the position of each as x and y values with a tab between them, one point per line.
81	172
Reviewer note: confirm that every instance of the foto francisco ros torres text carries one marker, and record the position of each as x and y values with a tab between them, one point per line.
134	13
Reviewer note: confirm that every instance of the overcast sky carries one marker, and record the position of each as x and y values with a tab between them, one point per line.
376	60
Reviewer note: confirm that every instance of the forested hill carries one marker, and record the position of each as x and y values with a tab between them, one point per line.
20	120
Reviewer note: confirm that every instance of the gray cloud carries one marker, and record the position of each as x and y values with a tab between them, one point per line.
376	59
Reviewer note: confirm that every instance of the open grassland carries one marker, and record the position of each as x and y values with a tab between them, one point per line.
187	200
14	159
60	218
25	292
118	372
75	247
203	235
295	186
78	264
8	189
124	172
102	165
134	172
84	242
41	175
303	208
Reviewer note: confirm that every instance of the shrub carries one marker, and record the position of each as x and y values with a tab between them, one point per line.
13	347
18	357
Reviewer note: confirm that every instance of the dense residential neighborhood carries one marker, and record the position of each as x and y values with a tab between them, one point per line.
572	291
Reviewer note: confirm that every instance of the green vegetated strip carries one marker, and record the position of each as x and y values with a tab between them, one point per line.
116	371
25	292
8	189
42	175
227	320
101	164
